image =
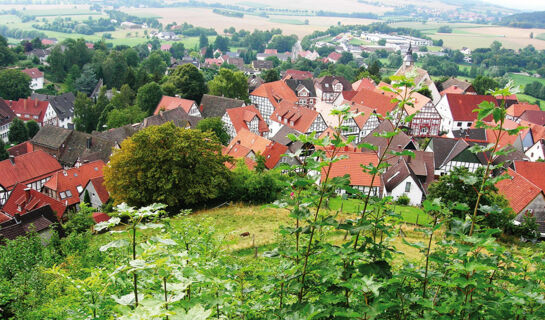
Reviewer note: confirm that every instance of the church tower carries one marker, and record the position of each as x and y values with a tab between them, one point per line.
408	60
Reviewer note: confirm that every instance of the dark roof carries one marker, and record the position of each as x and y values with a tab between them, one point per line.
76	149
215	106
6	114
36	220
51	137
326	83
63	105
96	90
397	173
474	134
447	149
400	142
254	82
178	116
266	64
456	82
307	83
533	116
117	135
40	53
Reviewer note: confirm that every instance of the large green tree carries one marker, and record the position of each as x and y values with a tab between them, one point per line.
14	84
482	84
114	69
119	117
85	113
175	166
87	81
188	82
32	128
155	65
7	56
229	83
3	152
18	131
148	97
216	126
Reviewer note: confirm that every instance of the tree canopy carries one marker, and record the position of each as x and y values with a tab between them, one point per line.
216	126
188	82
18	131
229	83
14	84
176	166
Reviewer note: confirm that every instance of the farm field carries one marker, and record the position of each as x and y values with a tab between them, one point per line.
203	17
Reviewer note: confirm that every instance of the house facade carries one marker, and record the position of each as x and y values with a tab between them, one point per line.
427	122
37	78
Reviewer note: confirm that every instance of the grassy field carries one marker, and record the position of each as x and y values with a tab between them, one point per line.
296	22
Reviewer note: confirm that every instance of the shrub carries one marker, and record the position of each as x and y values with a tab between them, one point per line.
403	200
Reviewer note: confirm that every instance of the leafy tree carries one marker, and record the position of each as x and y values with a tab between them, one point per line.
87	81
148	97
283	43
482	84
215	125
221	43
155	65
382	42
18	131
71	77
230	84
102	123
14	84
203	41
114	69
444	29
176	166
271	75
3	152
57	63
131	57
7	57
32	128
177	50
119	117
188	82
276	62
124	97
85	115
80	221
86	197
346	57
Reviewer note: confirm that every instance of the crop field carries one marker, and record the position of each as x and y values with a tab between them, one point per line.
203	17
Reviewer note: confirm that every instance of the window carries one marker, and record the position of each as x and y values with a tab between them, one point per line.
80	189
459	124
68	193
408	187
63	195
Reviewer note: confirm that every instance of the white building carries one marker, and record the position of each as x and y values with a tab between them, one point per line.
37	78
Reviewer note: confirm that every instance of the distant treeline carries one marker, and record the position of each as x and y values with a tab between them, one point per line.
361	15
20	34
525	20
229	13
190	30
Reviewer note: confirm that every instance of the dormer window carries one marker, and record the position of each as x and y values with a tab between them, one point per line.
80	189
63	195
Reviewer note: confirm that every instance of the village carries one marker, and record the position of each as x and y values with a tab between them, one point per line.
59	167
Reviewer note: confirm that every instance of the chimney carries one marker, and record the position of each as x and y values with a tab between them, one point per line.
89	142
25	104
36	103
27	193
12	159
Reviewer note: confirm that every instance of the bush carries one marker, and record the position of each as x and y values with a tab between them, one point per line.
404	200
254	187
527	229
80	221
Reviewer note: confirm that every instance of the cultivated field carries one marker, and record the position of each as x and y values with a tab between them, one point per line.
206	18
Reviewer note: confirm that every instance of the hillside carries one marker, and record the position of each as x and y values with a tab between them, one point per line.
525	20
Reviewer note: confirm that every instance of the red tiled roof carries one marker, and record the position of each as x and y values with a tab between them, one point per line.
90	45
29	199
21	148
364	83
533	171
335	56
100	217
276	92
166	47
298	118
210	61
241	115
47	42
349	95
249	140
453	89
34	73
27	168
533	116
169	103
273	153
4	217
518	190
71	179
380	102
366	113
271	51
29	109
517	109
298	75
462	105
352	165
100	188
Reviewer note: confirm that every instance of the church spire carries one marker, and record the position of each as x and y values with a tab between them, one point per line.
408	61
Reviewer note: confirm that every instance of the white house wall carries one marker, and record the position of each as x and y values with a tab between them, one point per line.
414	194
